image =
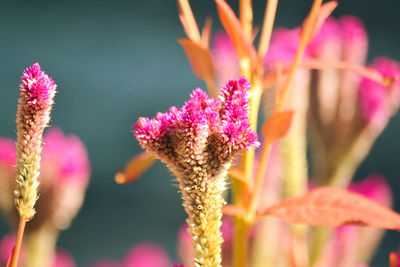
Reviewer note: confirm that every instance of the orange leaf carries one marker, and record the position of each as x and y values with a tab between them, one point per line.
393	259
135	168
237	174
323	13
199	58
331	206
277	125
206	32
244	49
232	210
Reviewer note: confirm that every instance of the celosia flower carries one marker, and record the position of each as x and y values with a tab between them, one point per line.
225	59
37	91
147	254
185	250
142	255
7	153
350	245
64	178
216	128
377	102
198	142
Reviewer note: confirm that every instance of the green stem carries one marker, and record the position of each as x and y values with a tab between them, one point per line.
241	242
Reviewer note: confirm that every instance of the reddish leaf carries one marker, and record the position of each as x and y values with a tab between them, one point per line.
277	125
333	207
135	168
323	13
232	210
199	58
393	259
243	47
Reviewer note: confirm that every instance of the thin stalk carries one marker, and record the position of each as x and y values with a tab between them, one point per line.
262	167
304	39
240	249
269	18
13	262
246	18
188	20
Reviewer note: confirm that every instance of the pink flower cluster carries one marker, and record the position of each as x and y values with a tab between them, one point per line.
64	158
203	124
67	155
37	88
345	39
61	259
64	177
143	255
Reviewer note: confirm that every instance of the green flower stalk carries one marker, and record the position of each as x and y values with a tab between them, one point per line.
37	91
198	142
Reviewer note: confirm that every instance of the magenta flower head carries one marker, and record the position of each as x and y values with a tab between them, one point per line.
64	179
211	130
147	254
198	142
37	91
377	102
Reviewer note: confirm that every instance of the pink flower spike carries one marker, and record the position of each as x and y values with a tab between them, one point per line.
36	87
283	47
6	246
329	37
66	156
225	59
235	114
63	259
378	103
225	121
374	187
146	255
7	152
355	39
178	265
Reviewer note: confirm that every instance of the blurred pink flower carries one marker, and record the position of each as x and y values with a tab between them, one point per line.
225	59
147	255
64	176
7	152
142	255
377	102
61	259
350	245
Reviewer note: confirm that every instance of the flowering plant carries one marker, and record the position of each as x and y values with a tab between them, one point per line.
251	199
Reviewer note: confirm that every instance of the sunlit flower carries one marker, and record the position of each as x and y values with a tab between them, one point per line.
198	142
37	91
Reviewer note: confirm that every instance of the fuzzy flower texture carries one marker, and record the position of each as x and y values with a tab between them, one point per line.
204	134
198	142
37	91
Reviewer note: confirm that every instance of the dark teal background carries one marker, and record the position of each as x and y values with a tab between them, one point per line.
115	60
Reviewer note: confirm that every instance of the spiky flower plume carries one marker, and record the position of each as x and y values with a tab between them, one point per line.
198	142
37	91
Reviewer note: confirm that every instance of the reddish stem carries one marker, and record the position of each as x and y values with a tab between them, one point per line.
13	261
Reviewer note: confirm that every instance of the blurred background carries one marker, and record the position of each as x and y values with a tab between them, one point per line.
116	60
